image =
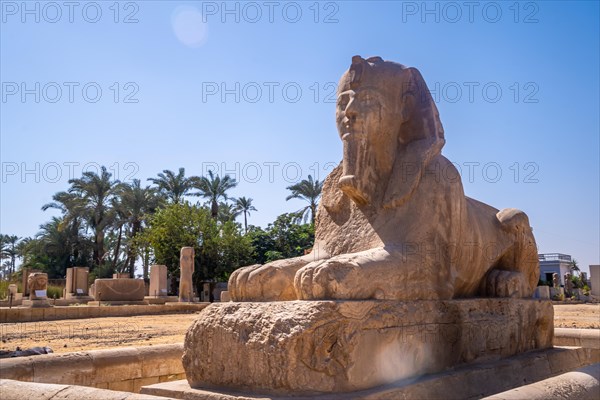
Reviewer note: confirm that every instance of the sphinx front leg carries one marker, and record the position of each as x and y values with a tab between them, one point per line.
270	282
500	283
373	274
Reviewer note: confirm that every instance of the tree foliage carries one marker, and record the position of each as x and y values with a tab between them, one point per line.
308	190
282	239
219	247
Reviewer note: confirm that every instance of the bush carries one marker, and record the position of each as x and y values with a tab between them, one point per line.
558	297
4	289
586	290
54	292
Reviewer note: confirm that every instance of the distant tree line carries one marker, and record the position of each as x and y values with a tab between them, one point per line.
109	226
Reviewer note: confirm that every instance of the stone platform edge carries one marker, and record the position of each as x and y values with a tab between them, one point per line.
16	390
14	315
121	368
466	382
314	347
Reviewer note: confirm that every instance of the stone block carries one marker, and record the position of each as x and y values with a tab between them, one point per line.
114	365
119	289
186	266
16	390
343	346
122	386
68	368
563	360
158	281
542	292
139	382
161	360
225	296
17	369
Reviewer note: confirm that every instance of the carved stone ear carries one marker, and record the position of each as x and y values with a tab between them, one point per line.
420	140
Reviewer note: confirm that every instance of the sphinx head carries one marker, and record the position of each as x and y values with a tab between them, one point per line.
386	118
37	281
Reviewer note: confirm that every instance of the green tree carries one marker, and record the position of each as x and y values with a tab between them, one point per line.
89	199
219	247
174	187
53	249
214	189
244	205
227	212
282	239
9	245
574	266
133	204
310	191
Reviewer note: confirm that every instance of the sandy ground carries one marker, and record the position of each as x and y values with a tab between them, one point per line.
146	330
71	335
584	316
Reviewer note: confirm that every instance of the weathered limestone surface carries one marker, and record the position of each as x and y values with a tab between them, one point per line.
583	384
124	289
186	267
393	222
37	281
77	278
158	280
469	382
15	390
342	346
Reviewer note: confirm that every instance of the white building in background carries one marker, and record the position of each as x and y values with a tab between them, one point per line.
595	279
551	263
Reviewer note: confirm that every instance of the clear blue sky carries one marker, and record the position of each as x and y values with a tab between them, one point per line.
517	86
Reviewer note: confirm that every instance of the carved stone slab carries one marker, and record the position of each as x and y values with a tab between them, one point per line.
341	346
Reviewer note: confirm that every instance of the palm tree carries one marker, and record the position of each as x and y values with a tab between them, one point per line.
214	188
244	205
227	212
172	186
309	191
54	248
133	204
89	199
574	267
9	250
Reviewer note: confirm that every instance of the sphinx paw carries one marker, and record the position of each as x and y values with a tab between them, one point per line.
331	279
500	283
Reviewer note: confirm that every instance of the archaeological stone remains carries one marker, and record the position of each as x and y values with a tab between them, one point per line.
158	281
77	282
407	275
186	266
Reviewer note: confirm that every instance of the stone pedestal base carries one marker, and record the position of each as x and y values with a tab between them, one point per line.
466	382
82	298
161	299
342	346
36	303
117	303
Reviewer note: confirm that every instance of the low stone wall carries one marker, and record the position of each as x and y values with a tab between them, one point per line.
469	382
15	390
8	315
582	384
586	338
125	369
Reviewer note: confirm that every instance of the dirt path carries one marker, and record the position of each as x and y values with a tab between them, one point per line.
71	335
577	316
145	330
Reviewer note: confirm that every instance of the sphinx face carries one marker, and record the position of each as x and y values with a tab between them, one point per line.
368	122
38	281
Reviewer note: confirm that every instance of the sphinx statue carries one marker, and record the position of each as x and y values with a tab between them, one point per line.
394	222
396	242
